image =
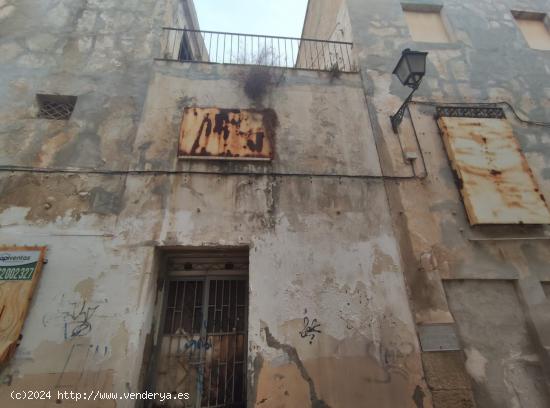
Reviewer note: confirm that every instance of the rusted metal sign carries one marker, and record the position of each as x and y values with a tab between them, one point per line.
497	185
19	273
213	133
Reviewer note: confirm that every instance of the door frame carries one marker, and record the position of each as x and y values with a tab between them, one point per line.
165	277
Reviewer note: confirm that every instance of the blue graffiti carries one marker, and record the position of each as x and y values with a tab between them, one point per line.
199	344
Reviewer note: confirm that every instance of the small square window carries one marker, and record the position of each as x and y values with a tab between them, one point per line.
535	29
57	107
425	23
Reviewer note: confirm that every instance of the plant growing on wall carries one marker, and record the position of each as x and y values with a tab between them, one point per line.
260	78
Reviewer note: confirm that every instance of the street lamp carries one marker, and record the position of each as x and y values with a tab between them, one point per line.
410	70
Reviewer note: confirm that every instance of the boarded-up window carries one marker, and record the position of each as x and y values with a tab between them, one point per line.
534	29
19	273
213	133
497	184
425	24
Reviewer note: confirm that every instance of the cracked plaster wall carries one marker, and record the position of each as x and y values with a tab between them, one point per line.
487	60
321	248
85	329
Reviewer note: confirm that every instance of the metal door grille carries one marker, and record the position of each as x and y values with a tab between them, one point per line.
203	346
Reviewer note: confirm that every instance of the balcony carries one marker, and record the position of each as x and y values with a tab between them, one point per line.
214	47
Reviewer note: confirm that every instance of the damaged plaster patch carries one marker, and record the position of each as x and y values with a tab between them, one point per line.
105	202
41	42
418	397
281	387
85	288
51	145
52	198
258	364
476	365
6	11
10	50
13	215
293	356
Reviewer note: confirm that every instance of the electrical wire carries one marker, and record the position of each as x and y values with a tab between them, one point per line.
485	104
76	170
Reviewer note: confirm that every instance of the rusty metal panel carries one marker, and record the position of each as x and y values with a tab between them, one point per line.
213	133
497	185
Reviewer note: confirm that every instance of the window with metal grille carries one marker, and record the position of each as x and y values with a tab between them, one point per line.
57	107
202	346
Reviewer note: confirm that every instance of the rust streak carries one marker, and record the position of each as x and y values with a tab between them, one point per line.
498	187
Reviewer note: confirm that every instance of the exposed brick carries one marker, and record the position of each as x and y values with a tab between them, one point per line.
445	370
448	380
453	399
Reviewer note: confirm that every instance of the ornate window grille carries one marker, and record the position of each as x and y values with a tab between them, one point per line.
470	112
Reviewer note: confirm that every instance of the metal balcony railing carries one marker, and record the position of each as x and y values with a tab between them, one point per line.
217	47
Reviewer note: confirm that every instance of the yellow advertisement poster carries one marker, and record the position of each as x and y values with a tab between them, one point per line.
20	269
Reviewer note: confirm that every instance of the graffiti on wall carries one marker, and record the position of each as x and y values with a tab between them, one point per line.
78	323
198	344
311	328
74	317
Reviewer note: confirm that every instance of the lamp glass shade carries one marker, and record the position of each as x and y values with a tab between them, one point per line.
411	67
402	71
417	62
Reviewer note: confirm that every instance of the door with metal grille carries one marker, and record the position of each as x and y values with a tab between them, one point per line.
203	341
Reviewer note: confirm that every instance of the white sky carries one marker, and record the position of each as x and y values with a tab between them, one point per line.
269	17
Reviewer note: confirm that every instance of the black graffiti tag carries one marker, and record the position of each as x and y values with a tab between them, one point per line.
310	329
80	320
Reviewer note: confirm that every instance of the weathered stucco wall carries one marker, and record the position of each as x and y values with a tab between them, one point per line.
487	60
84	330
510	363
322	247
329	238
327	20
319	231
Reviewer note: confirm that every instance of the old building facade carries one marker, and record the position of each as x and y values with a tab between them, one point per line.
233	217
